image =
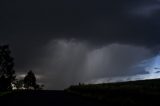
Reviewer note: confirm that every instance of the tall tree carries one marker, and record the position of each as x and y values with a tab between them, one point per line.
7	73
30	81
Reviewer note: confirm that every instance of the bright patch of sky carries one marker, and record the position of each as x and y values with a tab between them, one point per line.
154	65
151	66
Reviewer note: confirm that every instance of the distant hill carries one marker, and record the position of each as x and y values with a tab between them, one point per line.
142	92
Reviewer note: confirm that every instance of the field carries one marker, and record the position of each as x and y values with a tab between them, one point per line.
45	98
144	93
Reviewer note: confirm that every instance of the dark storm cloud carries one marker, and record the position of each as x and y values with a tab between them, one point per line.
67	62
100	27
100	21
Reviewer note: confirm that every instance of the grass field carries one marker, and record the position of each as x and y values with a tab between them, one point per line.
144	93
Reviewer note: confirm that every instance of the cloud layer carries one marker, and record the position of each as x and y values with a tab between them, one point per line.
67	62
71	41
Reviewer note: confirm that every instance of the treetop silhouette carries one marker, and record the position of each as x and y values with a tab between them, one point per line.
30	81
8	79
7	73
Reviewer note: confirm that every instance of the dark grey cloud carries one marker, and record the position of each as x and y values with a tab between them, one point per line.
101	21
98	26
67	62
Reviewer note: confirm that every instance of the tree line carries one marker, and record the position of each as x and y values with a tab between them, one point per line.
8	80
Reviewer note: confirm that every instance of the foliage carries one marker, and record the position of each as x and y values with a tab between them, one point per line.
30	82
19	84
8	79
6	68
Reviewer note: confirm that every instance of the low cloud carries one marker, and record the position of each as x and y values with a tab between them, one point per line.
67	62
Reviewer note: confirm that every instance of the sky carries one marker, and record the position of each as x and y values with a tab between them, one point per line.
67	42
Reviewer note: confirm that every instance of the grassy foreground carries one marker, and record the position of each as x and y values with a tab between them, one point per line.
141	93
144	92
45	98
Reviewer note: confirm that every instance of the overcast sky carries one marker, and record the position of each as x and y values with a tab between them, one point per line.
70	41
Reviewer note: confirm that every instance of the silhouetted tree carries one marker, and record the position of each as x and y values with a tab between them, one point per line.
30	81
6	68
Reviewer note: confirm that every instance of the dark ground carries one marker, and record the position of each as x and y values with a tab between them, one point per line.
62	98
132	93
45	98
